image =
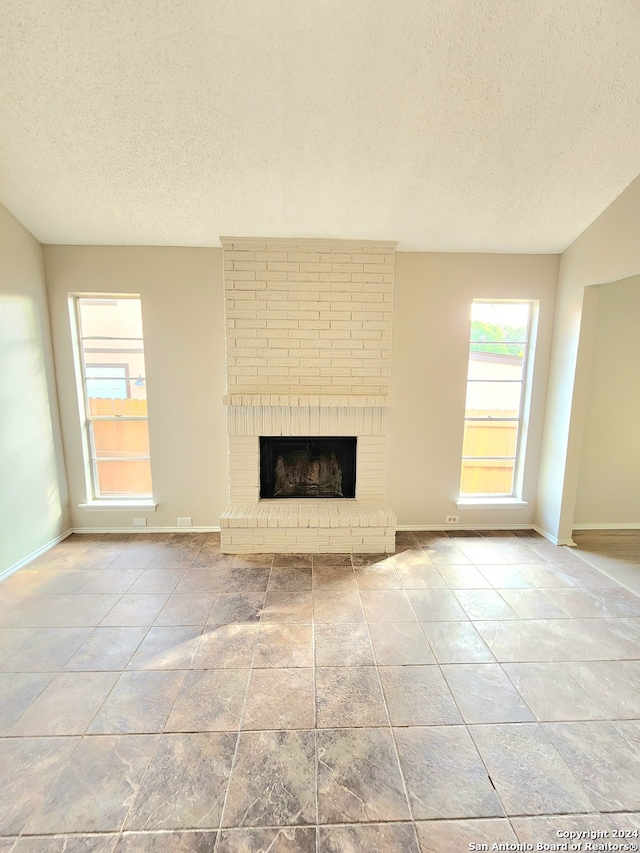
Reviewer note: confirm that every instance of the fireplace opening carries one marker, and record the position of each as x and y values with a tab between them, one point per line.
307	467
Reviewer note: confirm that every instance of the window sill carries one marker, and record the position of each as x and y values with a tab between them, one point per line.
119	506
491	503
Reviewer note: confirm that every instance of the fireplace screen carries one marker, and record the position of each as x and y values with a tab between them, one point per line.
307	467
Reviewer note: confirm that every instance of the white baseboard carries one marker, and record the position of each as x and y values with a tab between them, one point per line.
633	525
445	527
554	539
194	529
34	554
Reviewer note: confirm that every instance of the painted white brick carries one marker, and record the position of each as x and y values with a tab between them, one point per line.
270	256
336	257
314	324
379	268
236	255
282	266
351	286
335	315
315	267
336	296
249	265
304	256
281	302
335	276
244	295
342	267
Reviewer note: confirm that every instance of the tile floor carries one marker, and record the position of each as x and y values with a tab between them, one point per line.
156	695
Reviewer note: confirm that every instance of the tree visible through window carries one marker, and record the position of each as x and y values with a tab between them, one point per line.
112	376
496	380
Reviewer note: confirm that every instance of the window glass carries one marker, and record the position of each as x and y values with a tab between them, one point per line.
496	375
112	375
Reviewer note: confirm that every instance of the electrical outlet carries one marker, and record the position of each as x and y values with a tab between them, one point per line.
139	522
452	519
184	522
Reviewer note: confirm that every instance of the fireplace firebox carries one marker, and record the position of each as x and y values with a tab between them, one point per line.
307	467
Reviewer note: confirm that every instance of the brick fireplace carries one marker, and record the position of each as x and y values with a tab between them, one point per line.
308	345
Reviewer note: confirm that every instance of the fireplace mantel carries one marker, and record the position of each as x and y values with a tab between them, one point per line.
322	401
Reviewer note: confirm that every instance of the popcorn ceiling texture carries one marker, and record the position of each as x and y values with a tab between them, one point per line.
467	126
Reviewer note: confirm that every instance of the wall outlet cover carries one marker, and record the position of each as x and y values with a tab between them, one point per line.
452	519
184	522
139	522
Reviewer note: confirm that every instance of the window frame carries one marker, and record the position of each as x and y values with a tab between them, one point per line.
94	499
514	497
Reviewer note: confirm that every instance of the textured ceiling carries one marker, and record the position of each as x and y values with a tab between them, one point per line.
448	125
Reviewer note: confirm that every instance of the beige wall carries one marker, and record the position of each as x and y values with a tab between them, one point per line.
182	300
433	295
607	251
182	315
609	472
33	492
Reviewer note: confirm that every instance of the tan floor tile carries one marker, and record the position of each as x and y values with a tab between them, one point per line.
282	646
139	703
209	701
436	605
551	692
28	769
343	644
185	782
380	575
529	774
349	696
18	690
484	604
400	644
444	774
290	580
288	607
134	610
390	837
273	780
600	758
280	699
337	606
285	839
94	790
555	829
66	706
484	694
226	647
186	609
613	685
106	649
387	605
455	836
457	642
418	696
359	777
166	648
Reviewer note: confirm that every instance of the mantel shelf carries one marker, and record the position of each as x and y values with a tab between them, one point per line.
328	401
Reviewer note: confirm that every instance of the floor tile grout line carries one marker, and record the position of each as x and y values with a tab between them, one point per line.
405	787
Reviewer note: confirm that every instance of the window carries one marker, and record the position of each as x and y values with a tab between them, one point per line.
497	398
112	391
